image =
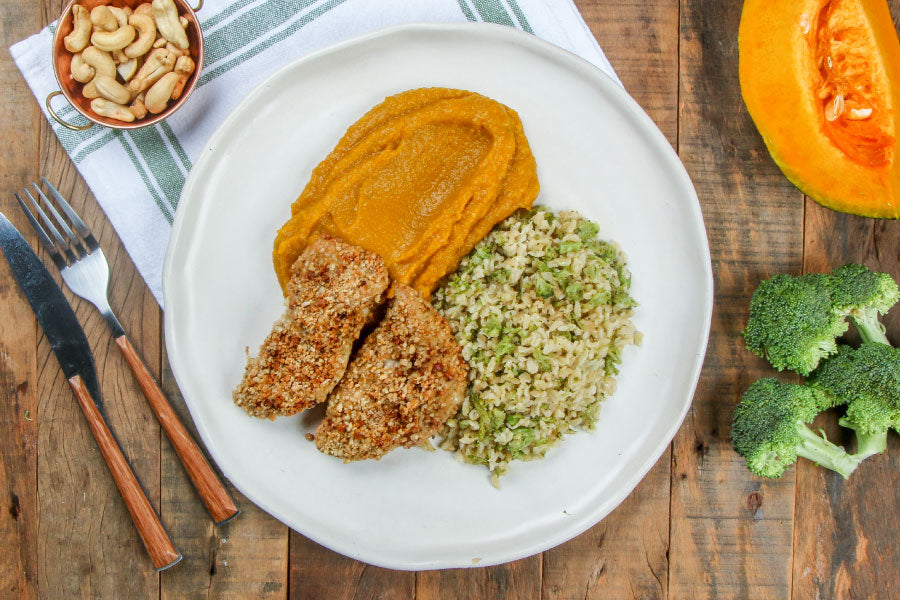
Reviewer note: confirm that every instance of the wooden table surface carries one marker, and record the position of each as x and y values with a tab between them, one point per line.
698	526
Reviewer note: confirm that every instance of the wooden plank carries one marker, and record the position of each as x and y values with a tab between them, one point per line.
731	531
640	39
845	531
519	580
623	556
244	558
842	546
18	332
87	544
318	573
626	555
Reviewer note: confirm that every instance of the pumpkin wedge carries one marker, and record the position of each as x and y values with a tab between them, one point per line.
821	80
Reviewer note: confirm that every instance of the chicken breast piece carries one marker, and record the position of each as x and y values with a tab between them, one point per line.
333	292
405	381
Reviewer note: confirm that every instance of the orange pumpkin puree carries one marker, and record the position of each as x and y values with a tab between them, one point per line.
419	180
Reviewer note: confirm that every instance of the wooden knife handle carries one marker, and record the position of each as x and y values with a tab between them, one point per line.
159	545
212	491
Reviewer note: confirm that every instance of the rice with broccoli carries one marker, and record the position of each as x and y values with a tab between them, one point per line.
542	310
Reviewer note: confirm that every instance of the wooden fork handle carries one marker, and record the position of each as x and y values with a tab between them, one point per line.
211	489
159	545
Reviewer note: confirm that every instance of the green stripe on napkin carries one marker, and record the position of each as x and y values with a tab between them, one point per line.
161	163
309	17
167	213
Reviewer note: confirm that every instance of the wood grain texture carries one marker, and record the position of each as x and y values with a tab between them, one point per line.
730	531
623	556
206	482
86	542
87	546
159	545
729	535
244	558
519	580
18	331
640	39
317	572
845	532
626	555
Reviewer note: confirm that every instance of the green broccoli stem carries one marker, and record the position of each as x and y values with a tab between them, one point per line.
869	327
819	450
867	444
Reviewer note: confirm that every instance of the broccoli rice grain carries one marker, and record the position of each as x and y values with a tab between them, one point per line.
542	310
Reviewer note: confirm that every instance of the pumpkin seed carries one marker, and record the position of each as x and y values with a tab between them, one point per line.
835	108
859	114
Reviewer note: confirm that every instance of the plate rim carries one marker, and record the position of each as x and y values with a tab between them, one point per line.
648	126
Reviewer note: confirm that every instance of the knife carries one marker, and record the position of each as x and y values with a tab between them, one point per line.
70	345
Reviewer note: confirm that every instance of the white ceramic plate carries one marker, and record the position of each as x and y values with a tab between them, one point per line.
597	152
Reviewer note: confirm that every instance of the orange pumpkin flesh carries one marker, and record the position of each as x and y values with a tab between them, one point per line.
821	79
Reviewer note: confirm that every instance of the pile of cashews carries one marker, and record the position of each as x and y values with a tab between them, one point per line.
130	62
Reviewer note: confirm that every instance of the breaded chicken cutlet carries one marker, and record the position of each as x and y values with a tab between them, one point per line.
405	381
333	292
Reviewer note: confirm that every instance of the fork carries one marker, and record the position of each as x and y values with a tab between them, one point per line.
85	270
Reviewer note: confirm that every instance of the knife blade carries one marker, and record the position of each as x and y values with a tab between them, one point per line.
66	337
53	312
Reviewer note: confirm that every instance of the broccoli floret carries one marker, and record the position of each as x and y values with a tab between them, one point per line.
864	295
793	323
769	430
867	380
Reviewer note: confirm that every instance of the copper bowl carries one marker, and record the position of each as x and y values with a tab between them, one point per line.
71	89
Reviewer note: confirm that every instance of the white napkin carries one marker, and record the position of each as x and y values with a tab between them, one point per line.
137	176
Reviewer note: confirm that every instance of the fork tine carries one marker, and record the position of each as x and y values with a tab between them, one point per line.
82	229
57	258
53	230
75	240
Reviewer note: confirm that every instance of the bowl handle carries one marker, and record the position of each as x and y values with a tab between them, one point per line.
59	119
199	6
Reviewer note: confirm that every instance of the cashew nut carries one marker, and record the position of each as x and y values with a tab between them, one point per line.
137	107
109	44
100	60
127	69
121	15
175	49
81	29
111	89
159	94
146	35
113	40
184	66
81	71
158	63
166	16
106	108
103	19
90	90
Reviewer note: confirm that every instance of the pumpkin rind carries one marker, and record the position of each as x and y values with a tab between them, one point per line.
781	82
